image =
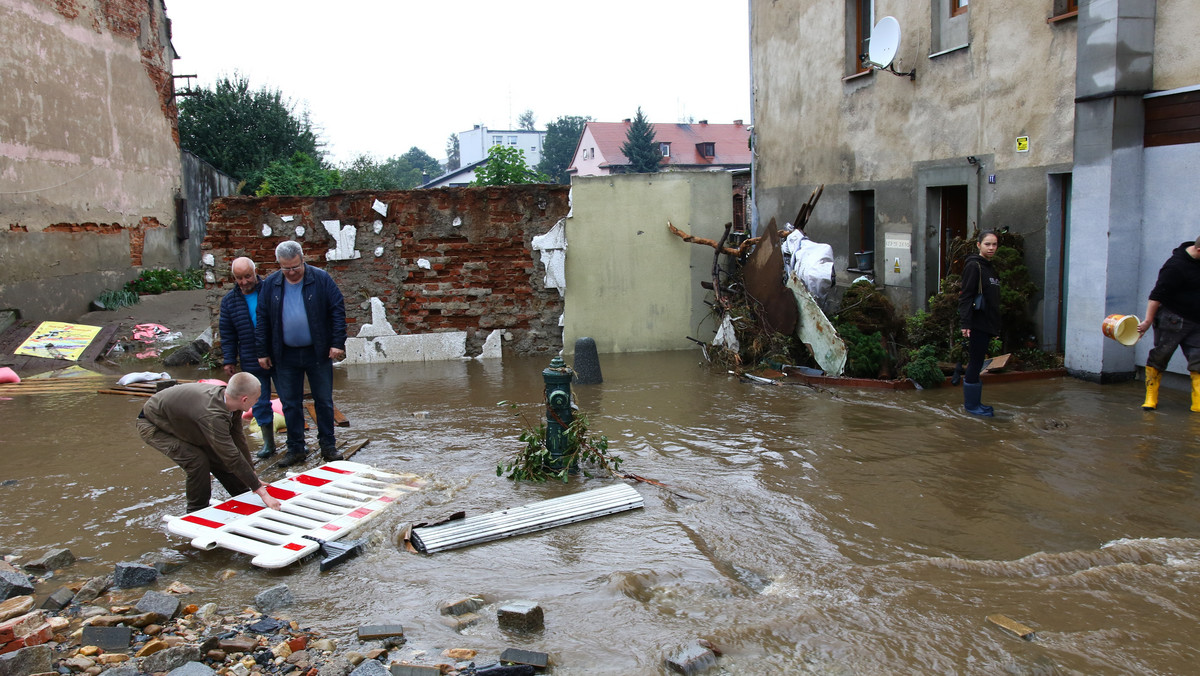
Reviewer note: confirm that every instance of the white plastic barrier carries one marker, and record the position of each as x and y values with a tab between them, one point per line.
325	502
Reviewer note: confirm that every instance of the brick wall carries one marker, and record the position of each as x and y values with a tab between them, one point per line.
483	273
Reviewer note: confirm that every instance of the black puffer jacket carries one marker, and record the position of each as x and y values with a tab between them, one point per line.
237	331
978	273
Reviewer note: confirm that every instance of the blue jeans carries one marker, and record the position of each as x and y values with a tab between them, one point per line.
290	370
262	408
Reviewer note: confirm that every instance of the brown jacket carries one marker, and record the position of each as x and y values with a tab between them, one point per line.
195	413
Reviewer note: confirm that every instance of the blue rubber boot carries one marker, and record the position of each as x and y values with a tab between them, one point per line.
971	395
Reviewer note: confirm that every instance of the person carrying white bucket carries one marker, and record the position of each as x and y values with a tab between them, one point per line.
979	313
1174	312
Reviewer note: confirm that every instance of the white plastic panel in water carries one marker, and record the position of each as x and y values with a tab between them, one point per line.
324	502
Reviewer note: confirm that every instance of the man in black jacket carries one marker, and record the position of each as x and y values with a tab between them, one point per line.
301	331
1174	312
239	314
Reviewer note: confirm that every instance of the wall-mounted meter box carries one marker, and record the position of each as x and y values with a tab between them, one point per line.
897	262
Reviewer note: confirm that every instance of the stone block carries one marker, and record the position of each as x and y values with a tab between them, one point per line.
59	599
192	669
273	598
32	660
461	606
130	575
92	589
521	615
17	605
158	602
519	656
370	632
14	584
370	668
126	669
21	625
109	638
171	658
403	669
52	560
692	659
238	644
460	622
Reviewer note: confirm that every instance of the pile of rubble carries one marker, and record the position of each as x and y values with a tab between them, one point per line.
71	633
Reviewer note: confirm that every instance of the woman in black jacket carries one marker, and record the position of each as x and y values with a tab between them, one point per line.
979	312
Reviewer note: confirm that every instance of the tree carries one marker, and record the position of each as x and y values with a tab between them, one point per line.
453	156
241	131
366	173
643	153
558	150
526	121
425	165
300	175
505	165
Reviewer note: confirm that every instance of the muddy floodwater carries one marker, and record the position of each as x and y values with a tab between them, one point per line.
840	531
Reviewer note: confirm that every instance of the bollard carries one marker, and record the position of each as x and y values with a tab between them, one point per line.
587	363
558	408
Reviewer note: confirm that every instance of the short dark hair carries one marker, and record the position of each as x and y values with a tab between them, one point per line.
985	233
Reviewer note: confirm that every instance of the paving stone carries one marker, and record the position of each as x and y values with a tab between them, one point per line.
519	656
92	589
126	669
171	658
17	605
693	659
370	668
401	669
130	575
59	599
521	615
109	638
52	560
192	669
32	660
460	622
369	632
271	599
461	606
158	602
14	584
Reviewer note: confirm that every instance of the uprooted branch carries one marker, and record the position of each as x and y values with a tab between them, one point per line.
745	246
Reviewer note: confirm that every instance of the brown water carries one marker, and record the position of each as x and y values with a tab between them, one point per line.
841	531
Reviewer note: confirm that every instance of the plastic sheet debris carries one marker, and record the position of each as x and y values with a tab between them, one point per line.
143	377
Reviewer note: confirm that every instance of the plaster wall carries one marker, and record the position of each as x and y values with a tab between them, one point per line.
902	138
88	146
633	286
1176	61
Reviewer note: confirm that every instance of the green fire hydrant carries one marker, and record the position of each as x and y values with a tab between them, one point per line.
558	408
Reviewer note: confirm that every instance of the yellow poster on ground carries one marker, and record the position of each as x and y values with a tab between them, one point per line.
58	340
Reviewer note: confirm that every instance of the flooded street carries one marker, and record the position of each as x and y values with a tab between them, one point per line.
840	532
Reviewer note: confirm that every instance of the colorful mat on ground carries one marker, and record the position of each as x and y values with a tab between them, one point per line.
58	340
325	502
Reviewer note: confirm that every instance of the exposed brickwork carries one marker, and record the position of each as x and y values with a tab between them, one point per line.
484	274
101	228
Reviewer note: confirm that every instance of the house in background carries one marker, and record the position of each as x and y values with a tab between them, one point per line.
459	178
473	144
685	147
1075	124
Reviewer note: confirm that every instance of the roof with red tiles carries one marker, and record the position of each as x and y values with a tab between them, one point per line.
731	143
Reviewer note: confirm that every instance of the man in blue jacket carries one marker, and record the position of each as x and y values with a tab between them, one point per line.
239	314
301	330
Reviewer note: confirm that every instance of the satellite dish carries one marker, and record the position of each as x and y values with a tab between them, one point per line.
885	40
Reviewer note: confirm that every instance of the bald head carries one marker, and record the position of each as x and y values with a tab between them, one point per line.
244	274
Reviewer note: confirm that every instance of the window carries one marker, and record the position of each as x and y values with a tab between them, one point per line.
665	148
512	140
497	140
586	154
706	149
1065	9
958	7
948	23
862	226
860	17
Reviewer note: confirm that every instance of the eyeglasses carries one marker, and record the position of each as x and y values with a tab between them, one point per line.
292	268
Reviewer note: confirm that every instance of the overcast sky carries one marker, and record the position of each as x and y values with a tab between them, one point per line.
381	76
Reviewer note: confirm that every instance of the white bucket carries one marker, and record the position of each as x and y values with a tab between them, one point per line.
1121	328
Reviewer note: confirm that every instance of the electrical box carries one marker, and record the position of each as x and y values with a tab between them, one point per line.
897	263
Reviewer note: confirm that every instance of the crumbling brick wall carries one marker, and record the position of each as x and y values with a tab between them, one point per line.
483	274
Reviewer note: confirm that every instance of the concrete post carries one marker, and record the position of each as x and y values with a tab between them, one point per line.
1115	60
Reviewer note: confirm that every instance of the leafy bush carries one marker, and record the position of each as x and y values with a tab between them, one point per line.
865	355
923	368
301	175
112	299
506	166
161	280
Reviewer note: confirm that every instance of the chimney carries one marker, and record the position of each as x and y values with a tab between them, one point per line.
703	121
738	122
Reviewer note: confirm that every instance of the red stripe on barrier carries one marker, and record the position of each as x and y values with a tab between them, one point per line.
327	468
360	512
386	498
281	493
202	521
310	480
293	546
330	526
239	507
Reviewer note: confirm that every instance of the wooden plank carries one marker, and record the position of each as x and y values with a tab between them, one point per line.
354	448
1012	626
